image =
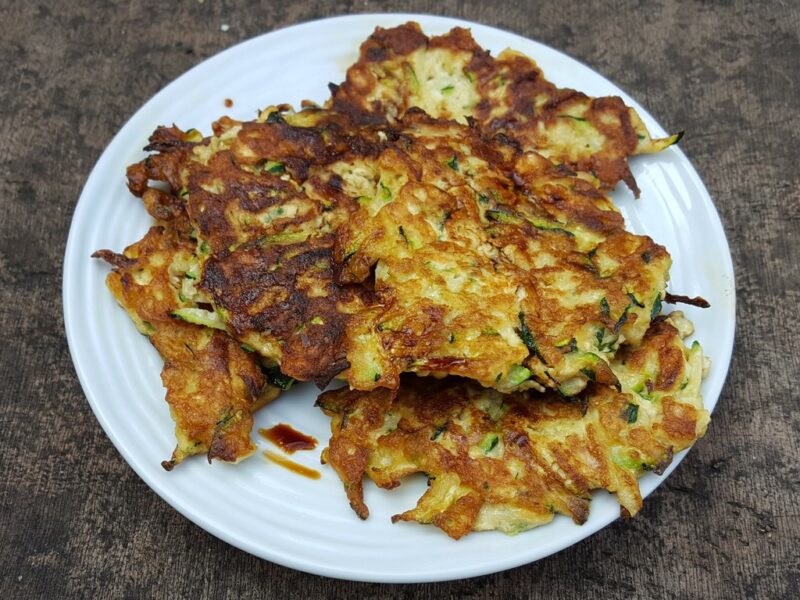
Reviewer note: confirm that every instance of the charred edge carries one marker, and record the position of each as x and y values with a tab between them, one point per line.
118	261
678	299
662	465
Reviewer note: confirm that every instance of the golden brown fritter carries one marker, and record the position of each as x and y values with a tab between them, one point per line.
266	209
368	250
172	147
491	264
445	214
450	76
213	389
371	239
213	385
510	462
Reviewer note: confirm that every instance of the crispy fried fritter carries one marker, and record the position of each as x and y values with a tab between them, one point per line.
213	385
372	239
422	246
172	146
213	388
267	209
510	462
490	264
450	76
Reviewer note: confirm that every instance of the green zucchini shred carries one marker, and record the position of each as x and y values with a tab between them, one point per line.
630	413
656	307
489	442
634	300
278	379
438	432
526	336
605	309
517	374
198	316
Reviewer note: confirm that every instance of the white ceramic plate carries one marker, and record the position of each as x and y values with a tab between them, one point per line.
258	506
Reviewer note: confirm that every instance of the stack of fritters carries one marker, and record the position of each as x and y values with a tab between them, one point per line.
444	214
512	461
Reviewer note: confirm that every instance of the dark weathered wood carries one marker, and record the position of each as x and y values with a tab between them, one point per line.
74	518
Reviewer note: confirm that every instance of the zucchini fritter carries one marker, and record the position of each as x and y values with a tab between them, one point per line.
266	208
450	76
371	239
491	264
368	250
510	462
213	385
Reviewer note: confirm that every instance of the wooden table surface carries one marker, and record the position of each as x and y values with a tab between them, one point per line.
75	521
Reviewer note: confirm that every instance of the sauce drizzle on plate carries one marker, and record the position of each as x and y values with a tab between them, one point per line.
288	439
291	465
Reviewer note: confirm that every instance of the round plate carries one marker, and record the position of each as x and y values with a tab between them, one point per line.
256	505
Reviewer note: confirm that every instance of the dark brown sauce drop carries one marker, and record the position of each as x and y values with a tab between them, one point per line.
288	439
291	465
228	102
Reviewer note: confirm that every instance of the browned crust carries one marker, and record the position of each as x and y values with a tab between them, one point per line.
554	452
171	150
217	415
276	302
212	384
523	121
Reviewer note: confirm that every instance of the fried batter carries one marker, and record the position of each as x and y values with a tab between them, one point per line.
364	250
266	208
445	214
490	264
510	462
213	385
450	76
372	239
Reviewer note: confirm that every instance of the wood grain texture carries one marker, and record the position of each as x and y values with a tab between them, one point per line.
75	521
